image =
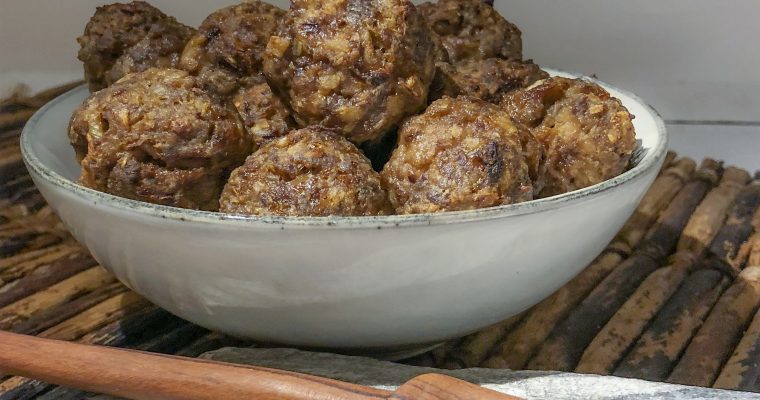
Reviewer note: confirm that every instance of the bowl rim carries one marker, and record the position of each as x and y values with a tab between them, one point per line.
651	160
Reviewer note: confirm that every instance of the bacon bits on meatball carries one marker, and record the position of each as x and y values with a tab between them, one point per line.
461	154
156	136
588	134
472	29
309	172
227	51
358	66
123	38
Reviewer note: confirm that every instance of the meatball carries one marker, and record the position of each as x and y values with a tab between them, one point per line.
461	154
226	52
264	115
126	38
309	172
488	79
156	136
472	29
358	66
588	134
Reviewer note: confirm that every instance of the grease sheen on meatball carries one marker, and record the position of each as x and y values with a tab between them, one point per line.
309	172
461	154
488	80
472	29
264	115
588	134
226	53
358	66
123	38
156	136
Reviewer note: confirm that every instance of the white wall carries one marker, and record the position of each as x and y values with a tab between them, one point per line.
694	60
38	37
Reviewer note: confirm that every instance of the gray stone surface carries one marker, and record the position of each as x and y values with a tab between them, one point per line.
527	384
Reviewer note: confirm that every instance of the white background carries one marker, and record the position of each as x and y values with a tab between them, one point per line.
696	61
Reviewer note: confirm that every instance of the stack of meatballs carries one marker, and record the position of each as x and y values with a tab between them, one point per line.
335	108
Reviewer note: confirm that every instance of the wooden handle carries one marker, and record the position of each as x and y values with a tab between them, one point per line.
442	387
139	375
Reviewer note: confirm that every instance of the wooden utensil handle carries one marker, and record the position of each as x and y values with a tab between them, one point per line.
138	375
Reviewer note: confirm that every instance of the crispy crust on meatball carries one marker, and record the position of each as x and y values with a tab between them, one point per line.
309	172
113	32
359	66
461	154
264	115
588	134
226	53
488	79
156	136
472	29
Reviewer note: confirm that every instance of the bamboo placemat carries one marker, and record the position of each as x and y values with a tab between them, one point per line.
673	298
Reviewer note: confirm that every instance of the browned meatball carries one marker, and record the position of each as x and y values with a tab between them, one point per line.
115	29
226	52
264	115
472	29
309	172
588	134
155	136
358	66
488	79
461	154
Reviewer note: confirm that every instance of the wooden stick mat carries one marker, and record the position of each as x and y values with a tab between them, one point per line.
673	298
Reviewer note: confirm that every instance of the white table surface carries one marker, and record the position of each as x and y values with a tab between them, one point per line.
693	60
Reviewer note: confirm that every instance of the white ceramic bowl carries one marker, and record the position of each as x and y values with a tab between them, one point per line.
340	282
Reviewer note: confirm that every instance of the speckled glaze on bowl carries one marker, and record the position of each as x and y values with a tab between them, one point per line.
340	282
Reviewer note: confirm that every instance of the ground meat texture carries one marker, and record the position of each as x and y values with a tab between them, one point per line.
160	48
358	66
588	134
156	136
439	52
529	106
535	156
264	115
226	52
461	154
472	29
309	172
488	79
115	29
